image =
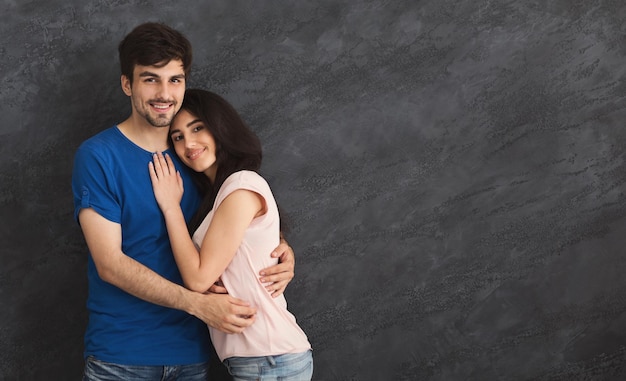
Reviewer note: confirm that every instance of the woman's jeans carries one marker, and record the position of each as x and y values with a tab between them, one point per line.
287	367
96	370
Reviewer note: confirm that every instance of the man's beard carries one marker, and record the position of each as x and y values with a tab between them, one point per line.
160	121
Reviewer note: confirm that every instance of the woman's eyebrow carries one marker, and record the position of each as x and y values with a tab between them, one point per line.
193	122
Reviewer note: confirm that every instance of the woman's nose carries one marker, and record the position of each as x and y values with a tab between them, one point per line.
190	142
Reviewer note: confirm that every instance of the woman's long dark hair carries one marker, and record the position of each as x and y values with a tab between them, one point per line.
237	147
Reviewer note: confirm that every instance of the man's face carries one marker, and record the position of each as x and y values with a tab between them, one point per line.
156	92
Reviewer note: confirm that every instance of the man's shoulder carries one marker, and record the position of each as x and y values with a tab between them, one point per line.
102	146
104	141
107	135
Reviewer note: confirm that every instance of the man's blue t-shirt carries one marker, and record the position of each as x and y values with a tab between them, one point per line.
111	176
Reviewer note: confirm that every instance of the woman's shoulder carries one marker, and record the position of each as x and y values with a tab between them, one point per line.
244	179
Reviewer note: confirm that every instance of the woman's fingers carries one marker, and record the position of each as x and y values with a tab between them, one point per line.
170	163
163	164
157	165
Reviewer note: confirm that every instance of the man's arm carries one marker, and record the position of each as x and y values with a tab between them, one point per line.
104	239
281	274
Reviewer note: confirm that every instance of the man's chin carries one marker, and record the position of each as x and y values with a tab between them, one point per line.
160	122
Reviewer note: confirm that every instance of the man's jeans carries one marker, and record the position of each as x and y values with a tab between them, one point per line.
96	370
288	367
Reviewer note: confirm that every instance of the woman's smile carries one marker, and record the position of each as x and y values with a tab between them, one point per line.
193	154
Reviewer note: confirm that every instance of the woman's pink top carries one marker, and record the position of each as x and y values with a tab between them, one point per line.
275	330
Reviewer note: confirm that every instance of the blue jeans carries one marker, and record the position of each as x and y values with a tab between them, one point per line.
96	370
287	367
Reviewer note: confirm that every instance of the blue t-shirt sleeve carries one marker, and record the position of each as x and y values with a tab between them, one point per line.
94	185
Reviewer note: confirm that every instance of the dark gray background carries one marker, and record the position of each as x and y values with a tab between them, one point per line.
454	172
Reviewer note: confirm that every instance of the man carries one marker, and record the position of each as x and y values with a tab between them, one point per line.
143	324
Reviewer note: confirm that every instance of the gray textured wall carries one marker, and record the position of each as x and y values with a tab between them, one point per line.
454	172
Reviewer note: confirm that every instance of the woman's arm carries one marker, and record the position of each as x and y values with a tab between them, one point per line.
224	234
223	237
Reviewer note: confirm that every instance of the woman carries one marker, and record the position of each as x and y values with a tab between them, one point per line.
237	222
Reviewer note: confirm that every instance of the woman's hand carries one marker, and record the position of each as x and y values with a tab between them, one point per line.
167	183
218	287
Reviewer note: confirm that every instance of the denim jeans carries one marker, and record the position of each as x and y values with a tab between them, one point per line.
287	367
96	370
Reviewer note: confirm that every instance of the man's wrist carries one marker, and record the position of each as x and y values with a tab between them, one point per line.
188	301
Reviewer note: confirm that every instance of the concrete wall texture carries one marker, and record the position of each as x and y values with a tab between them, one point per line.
454	174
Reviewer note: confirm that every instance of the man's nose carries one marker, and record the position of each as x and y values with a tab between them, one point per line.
163	90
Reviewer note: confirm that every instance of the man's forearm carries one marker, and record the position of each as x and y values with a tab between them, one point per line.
219	311
140	281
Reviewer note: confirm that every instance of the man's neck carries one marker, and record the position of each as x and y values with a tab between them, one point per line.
146	136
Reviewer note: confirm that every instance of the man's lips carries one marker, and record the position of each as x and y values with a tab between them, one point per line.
161	107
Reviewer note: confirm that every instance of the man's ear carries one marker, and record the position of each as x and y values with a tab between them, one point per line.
126	87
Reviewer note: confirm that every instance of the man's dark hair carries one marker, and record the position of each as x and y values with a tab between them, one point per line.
153	44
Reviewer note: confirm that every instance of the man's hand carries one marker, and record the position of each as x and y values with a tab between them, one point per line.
223	312
279	276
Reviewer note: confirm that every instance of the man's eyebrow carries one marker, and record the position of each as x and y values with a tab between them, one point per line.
151	74
147	74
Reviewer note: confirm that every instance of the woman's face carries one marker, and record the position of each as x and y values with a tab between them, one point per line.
194	144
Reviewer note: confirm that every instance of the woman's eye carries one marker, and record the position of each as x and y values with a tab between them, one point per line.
176	138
